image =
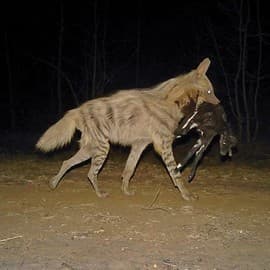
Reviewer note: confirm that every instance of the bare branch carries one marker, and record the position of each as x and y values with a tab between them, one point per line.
65	77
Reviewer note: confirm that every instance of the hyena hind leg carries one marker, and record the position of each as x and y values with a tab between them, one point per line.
133	158
82	155
98	158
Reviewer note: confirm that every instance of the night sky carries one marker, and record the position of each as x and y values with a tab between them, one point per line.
133	44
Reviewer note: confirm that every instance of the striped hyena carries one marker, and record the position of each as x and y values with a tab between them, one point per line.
133	118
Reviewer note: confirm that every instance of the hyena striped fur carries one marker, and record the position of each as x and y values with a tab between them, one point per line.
133	118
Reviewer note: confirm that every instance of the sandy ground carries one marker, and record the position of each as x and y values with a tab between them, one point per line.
70	228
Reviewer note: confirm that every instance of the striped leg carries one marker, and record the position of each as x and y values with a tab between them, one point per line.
134	156
82	155
165	150
99	155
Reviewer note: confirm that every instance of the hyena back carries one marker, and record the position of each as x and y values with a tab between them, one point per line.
133	118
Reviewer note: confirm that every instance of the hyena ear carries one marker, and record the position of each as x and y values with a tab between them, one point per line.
203	66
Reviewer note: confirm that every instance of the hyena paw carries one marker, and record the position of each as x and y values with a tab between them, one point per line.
129	192
53	183
190	197
102	194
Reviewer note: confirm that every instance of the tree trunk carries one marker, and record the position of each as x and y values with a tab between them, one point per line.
59	62
12	114
94	66
258	73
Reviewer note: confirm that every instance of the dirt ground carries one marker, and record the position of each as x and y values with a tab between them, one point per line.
70	228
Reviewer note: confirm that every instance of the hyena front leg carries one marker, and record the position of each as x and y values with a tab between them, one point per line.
133	158
99	155
82	155
164	148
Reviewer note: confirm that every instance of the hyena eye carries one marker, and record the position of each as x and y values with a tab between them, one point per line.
209	92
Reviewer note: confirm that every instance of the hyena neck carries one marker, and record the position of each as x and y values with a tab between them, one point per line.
186	98
179	91
174	84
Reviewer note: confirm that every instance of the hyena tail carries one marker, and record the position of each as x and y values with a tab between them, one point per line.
60	133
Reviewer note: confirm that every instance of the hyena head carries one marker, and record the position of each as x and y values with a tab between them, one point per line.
194	85
202	84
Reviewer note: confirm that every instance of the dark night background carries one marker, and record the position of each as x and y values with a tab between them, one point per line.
94	48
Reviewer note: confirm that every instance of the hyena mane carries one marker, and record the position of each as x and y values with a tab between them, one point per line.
135	118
